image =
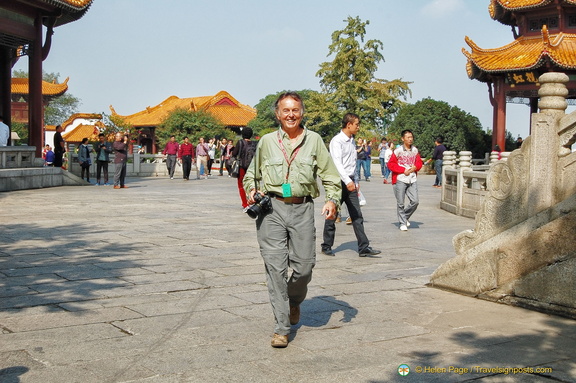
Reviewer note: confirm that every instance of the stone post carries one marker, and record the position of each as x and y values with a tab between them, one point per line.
449	161
465	165
542	182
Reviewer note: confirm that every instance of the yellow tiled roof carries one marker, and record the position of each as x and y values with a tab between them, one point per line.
87	116
20	86
80	132
72	10
525	53
222	106
501	10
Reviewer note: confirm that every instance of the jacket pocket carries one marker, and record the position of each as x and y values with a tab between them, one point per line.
307	170
273	173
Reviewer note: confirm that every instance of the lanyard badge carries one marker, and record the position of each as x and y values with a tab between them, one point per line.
286	188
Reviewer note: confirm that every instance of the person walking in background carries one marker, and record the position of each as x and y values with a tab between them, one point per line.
381	155
103	150
405	164
387	157
222	147
84	159
285	167
202	159
59	147
185	155
120	148
437	157
211	154
4	132
244	151
343	153
171	154
368	161
361	155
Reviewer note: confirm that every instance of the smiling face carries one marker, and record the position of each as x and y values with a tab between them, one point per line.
289	113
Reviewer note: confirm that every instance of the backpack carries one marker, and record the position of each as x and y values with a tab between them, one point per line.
246	153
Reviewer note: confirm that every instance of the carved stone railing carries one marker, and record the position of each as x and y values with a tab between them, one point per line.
17	157
464	185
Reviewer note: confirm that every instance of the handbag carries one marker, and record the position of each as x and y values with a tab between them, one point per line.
235	170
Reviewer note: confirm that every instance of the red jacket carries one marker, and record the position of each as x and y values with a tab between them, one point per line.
402	159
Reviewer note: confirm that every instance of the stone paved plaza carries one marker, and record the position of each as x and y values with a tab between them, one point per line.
163	282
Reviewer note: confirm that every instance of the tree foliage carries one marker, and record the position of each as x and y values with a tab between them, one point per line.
192	124
59	108
429	119
349	80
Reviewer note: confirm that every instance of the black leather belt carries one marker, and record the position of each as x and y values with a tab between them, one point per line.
292	200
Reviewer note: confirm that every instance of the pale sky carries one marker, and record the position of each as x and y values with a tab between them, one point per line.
136	53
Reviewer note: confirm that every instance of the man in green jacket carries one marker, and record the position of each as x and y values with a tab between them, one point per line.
284	169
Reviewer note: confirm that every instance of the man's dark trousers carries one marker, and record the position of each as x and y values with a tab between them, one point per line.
353	203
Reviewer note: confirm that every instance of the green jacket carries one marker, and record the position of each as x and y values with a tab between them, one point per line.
269	167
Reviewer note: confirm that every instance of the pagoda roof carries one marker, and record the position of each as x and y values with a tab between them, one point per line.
80	132
501	10
525	53
72	10
20	87
85	116
222	106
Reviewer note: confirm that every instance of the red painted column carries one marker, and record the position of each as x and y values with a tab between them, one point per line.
36	107
499	128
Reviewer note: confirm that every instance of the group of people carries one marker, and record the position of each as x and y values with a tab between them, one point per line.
202	155
103	149
283	173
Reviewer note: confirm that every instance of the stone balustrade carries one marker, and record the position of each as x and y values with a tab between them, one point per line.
138	165
464	184
18	157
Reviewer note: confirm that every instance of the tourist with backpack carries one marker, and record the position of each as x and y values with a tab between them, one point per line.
244	151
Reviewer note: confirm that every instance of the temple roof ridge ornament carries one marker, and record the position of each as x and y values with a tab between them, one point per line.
524	53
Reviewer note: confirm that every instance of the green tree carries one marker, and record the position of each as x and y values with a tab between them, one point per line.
22	131
349	80
59	108
429	119
192	124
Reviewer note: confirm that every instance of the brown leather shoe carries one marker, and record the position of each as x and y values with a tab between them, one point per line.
279	341
294	315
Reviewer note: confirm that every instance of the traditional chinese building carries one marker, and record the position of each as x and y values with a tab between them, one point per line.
544	33
222	106
20	96
26	28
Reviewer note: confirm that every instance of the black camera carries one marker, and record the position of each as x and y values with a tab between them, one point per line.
262	205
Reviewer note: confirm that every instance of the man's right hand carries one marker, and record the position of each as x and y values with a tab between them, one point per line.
351	186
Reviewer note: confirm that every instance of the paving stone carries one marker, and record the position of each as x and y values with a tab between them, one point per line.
157	295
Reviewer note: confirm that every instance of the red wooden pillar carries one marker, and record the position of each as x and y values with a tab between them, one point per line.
6	87
35	105
499	119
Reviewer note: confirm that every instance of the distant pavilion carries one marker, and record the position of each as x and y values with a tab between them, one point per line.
545	41
22	24
20	97
222	106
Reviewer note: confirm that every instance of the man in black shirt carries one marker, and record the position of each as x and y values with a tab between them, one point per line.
438	156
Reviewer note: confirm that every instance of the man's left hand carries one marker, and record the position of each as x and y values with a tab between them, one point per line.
329	209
